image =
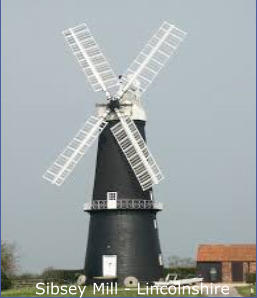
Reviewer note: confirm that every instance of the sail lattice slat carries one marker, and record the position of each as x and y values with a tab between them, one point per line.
134	148
153	57
68	159
91	59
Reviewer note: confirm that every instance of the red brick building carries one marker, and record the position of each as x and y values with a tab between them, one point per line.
226	263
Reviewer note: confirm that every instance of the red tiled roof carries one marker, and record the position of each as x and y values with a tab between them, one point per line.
222	253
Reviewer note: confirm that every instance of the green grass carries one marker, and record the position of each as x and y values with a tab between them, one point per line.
31	292
245	291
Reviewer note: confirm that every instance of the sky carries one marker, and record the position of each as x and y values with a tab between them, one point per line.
200	128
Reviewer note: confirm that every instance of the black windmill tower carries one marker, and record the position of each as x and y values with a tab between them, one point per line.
123	240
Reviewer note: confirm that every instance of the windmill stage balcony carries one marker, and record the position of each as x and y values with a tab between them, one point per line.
122	204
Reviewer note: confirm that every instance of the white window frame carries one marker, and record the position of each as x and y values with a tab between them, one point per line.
155	223
112	195
160	260
111	198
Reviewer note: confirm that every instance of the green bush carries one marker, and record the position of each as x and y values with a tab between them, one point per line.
6	283
182	272
251	278
60	276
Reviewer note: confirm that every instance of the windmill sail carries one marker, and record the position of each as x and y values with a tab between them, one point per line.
139	157
91	59
69	158
153	57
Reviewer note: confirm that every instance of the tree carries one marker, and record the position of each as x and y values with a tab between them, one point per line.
9	258
175	261
5	281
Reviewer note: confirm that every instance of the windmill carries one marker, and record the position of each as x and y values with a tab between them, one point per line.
123	241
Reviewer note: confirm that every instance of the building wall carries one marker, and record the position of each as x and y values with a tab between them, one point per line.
226	272
130	235
248	267
203	268
252	267
245	269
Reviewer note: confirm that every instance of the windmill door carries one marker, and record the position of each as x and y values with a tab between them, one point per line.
110	265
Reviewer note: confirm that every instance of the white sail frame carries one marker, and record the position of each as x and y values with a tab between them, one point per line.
138	155
152	58
72	154
91	59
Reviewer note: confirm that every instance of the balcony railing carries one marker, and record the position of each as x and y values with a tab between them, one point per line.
122	204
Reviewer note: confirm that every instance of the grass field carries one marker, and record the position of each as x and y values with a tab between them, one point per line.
31	292
246	291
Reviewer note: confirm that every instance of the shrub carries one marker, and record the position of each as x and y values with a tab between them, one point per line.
182	272
26	276
251	278
60	276
6	283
